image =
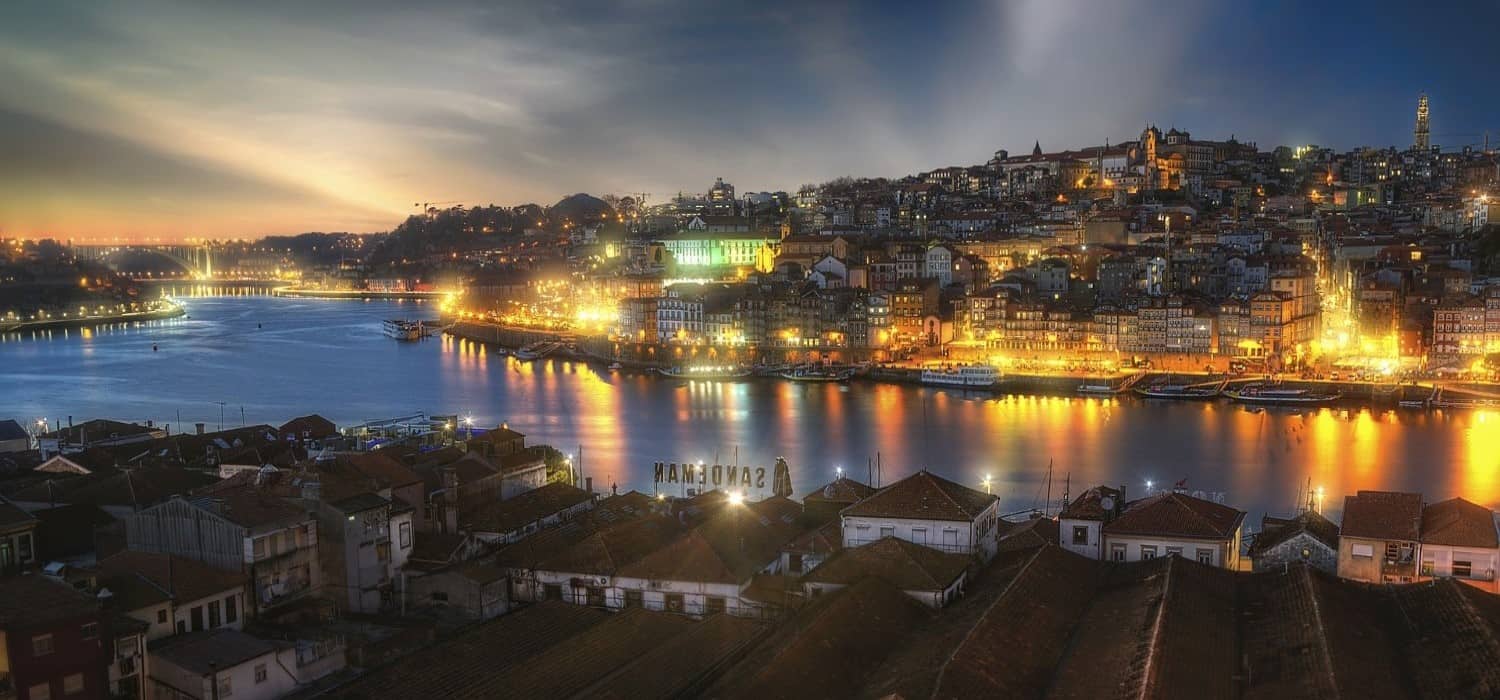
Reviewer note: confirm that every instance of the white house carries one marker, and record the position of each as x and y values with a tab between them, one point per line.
929	510
1459	541
508	521
1175	523
1080	525
174	595
226	663
938	264
931	577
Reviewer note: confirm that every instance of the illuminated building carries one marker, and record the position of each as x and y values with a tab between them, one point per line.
1459	327
1420	136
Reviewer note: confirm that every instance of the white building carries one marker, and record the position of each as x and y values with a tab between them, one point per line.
938	264
224	663
1080	525
1460	541
929	510
174	595
1175	523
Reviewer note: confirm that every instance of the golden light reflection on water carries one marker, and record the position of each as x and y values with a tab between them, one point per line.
1259	460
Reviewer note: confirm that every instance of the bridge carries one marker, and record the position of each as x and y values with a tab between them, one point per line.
196	259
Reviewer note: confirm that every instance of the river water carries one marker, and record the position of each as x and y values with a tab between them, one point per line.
270	359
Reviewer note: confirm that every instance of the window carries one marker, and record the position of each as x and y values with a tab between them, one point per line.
161	616
634	599
551	591
1117	552
197	617
89	630
41	691
1392	551
1080	534
713	605
213	614
225	688
674	602
1205	556
440	596
1148	551
1174	550
231	609
405	531
950	538
919	535
1362	550
887	531
1463	569
73	684
41	645
260	673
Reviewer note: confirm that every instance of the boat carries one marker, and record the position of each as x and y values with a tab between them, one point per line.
529	353
1179	391
707	373
1099	389
967	376
615	366
1276	394
816	374
403	329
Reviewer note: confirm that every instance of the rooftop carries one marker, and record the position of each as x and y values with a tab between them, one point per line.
520	511
1177	515
1383	515
211	651
1459	523
923	495
907	566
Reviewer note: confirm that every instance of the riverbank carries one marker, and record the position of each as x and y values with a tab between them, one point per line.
1352	394
172	311
296	293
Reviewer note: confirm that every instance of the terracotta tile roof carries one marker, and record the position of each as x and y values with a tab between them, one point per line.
825	540
1176	515
829	648
612	550
177	578
467	666
841	490
1459	523
729	547
923	495
385	468
312	426
33	600
520	511
698	651
908	566
1383	515
1034	532
1274	531
214	650
570	668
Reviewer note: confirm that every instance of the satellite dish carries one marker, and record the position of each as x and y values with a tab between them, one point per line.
1108	502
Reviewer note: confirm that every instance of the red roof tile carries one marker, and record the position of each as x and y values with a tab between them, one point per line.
1176	515
1383	515
924	495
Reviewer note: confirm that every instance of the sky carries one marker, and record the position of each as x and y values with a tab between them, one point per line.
160	119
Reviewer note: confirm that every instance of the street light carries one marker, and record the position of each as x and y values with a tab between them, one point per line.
987	483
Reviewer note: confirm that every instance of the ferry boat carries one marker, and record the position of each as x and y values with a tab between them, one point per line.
707	373
531	352
967	376
1276	394
1179	391
402	329
816	374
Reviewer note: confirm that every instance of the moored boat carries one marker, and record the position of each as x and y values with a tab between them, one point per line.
816	374
967	376
1178	391
708	373
1276	394
402	329
1088	389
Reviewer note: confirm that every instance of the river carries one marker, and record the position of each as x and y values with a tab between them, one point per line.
269	359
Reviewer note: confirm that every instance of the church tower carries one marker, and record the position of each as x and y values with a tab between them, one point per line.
1420	136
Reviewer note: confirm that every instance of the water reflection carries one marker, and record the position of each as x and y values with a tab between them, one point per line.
281	357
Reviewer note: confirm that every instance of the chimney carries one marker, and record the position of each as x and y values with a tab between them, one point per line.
588	484
199	427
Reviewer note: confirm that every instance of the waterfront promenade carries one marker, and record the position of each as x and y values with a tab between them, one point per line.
167	310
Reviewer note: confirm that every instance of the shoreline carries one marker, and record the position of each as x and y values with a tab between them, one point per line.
1353	394
294	293
92	321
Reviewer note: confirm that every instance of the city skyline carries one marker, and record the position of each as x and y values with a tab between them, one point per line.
157	121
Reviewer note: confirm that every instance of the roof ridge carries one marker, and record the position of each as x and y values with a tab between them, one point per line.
944	491
1148	668
943	669
1317	613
